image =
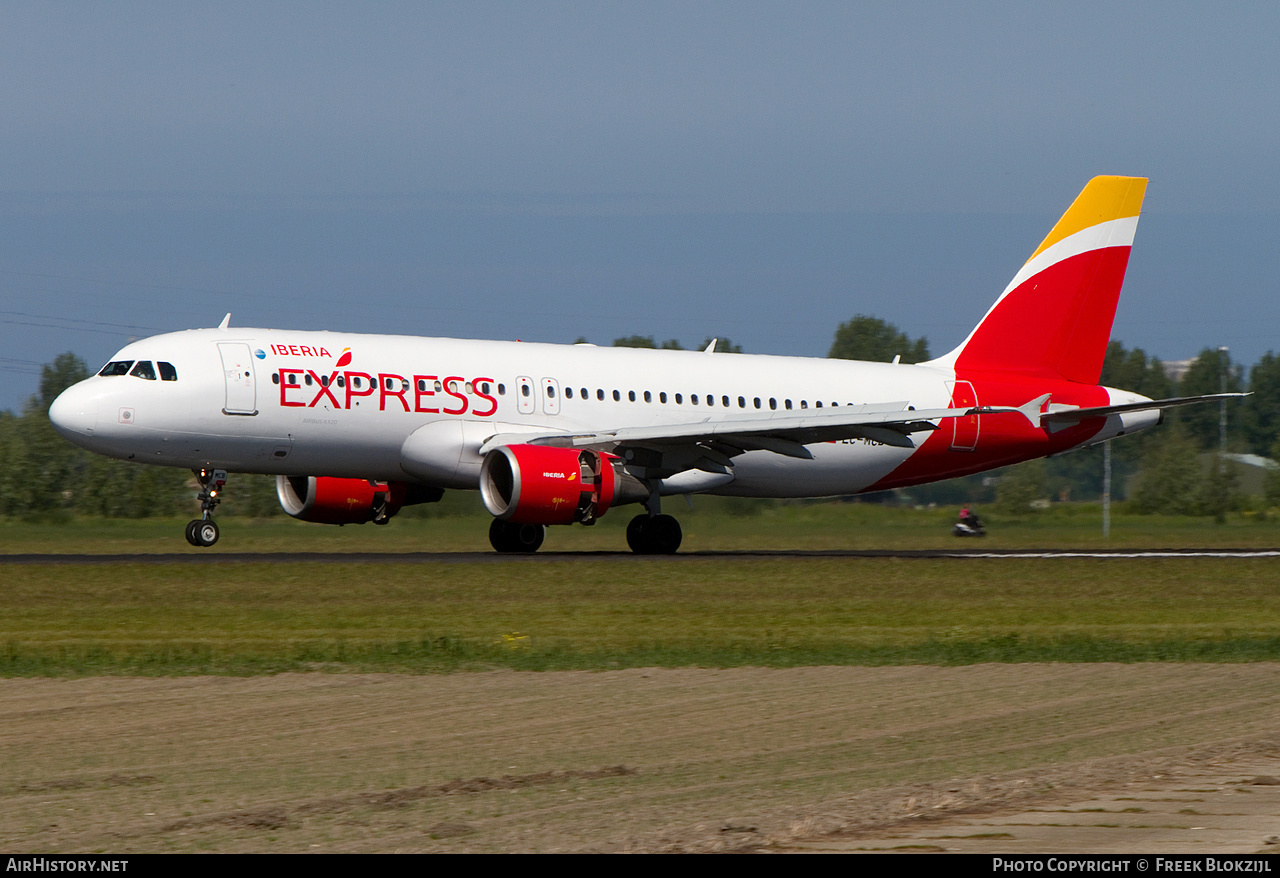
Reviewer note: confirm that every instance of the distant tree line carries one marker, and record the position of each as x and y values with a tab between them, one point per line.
723	345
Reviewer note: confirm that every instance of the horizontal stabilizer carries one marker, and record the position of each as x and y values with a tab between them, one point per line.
1102	411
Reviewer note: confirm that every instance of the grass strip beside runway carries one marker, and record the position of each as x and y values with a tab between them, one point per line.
257	617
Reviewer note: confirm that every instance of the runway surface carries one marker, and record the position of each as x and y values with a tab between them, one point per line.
495	558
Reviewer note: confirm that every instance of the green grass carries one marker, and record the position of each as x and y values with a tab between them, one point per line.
564	612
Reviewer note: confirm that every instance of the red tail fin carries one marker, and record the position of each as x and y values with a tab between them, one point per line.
1054	319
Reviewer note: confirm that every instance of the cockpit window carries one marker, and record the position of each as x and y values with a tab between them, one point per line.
144	369
116	367
167	372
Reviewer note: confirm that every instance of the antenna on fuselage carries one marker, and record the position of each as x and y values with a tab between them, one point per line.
226	321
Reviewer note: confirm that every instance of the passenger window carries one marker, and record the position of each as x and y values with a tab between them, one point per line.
818	403
600	394
617	397
662	397
144	369
582	391
167	372
275	377
742	403
524	389
679	399
631	395
119	367
693	398
307	379
757	402
502	390
773	404
788	405
568	393
324	379
551	391
724	401
342	381
648	397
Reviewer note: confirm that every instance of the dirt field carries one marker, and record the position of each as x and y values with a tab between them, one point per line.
1144	757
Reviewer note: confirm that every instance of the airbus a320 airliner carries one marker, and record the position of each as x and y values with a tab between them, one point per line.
355	427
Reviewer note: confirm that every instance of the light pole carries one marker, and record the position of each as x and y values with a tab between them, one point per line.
1224	365
1106	489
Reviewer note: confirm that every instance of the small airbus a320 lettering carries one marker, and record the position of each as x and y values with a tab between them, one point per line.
354	427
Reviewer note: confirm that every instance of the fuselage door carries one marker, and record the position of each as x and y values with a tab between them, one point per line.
237	371
965	435
550	396
526	395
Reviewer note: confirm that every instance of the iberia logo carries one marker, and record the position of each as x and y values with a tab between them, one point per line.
302	350
344	359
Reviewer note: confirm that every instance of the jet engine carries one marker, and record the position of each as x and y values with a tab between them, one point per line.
330	500
536	484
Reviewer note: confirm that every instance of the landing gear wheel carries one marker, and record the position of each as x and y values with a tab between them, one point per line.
635	534
510	538
206	532
192	538
654	535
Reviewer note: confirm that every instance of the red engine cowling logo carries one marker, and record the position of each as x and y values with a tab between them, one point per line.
330	500
535	484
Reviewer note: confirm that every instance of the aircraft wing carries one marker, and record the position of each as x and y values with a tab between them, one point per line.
712	440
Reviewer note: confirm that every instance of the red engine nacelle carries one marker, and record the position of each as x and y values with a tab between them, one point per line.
330	500
536	484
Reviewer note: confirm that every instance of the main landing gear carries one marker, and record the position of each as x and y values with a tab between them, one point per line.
654	535
203	531
510	538
646	535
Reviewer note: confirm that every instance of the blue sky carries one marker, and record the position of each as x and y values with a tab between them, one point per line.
547	171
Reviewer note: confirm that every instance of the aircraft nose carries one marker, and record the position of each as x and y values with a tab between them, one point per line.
74	414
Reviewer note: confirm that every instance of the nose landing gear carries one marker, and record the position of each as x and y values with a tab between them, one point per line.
203	531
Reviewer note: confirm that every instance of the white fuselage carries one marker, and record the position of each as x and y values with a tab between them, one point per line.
233	405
